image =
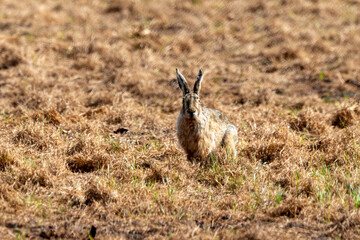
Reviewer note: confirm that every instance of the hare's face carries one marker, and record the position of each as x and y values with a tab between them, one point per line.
191	105
191	100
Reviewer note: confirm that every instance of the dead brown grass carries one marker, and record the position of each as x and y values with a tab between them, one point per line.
89	101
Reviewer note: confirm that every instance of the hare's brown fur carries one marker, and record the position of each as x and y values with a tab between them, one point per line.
202	130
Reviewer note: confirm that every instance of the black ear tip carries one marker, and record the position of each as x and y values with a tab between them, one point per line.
177	70
201	71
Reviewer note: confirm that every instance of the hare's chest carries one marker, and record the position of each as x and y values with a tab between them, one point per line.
196	137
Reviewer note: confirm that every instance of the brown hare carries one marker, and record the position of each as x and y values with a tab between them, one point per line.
202	130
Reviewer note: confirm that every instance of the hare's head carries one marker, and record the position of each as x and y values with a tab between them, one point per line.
191	100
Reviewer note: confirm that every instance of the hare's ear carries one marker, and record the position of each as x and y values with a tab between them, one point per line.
182	83
198	81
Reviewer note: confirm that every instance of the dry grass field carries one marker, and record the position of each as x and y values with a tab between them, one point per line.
89	102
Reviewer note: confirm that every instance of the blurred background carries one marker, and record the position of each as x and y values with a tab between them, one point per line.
251	51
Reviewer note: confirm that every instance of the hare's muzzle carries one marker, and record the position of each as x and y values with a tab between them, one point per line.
191	112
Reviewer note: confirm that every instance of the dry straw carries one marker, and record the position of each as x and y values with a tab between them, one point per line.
89	101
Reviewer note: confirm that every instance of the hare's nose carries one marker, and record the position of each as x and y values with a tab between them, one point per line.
191	112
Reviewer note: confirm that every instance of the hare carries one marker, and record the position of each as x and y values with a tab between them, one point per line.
202	130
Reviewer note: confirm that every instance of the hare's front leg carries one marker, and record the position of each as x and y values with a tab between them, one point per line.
199	155
230	140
